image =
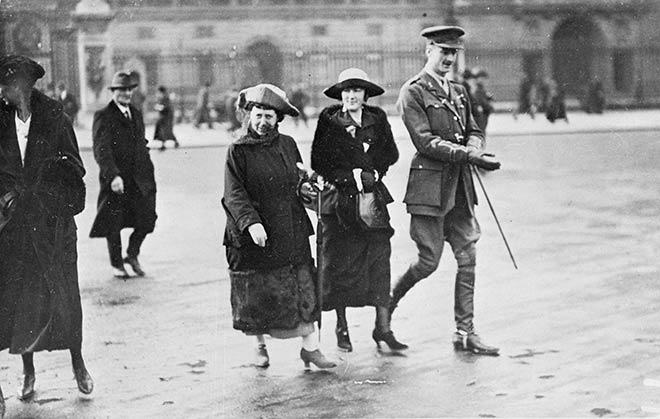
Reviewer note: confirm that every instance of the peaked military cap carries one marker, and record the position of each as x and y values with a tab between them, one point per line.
445	36
13	67
267	95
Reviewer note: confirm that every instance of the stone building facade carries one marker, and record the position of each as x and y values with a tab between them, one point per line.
233	43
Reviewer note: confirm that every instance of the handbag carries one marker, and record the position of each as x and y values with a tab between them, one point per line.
371	212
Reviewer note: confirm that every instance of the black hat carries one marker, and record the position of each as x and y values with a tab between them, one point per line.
480	72
353	77
445	36
13	67
122	80
467	74
267	95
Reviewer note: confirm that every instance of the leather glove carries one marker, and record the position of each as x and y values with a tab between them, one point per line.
482	159
368	181
307	192
258	234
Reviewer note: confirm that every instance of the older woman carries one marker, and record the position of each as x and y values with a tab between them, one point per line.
267	233
353	148
41	189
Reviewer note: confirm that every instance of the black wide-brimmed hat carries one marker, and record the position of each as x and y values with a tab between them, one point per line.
445	36
123	80
269	96
353	77
13	67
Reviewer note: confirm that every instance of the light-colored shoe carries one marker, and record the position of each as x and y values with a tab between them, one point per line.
26	391
315	357
262	360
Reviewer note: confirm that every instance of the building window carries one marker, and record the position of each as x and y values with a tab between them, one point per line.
374	29
319	30
146	33
204	31
622	70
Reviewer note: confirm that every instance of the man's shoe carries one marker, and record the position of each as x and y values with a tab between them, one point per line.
135	265
471	342
119	272
26	391
84	380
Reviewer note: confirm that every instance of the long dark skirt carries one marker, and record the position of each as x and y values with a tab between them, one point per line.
356	266
274	301
39	301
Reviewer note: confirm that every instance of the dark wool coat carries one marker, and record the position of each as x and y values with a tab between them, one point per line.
165	123
356	267
120	149
261	181
39	296
441	128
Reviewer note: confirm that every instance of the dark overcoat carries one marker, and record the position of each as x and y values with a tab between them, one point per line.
261	184
165	123
356	261
442	128
39	296
120	149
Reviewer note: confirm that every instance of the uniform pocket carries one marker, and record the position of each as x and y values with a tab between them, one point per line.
424	187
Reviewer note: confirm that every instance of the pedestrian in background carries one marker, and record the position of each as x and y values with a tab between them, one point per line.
69	102
440	195
470	84
137	97
300	99
353	149
595	97
127	196
483	99
556	108
164	130
202	113
267	232
526	98
231	111
41	189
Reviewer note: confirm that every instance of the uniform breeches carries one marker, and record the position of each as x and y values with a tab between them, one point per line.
461	230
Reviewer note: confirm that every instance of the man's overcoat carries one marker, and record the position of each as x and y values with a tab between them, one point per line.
442	128
39	296
120	149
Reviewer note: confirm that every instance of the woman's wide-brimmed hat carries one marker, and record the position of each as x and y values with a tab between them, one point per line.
353	77
122	80
267	95
13	67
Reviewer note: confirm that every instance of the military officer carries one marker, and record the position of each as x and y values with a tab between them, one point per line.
440	195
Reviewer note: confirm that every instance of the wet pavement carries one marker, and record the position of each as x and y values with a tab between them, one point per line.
578	323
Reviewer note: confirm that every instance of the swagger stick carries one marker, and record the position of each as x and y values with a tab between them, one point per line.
492	210
318	185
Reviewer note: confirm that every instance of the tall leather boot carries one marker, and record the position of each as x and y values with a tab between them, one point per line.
403	285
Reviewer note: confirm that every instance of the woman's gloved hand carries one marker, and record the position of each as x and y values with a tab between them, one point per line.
258	234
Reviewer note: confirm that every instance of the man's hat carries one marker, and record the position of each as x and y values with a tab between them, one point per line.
480	72
13	67
122	80
468	74
267	95
445	36
353	77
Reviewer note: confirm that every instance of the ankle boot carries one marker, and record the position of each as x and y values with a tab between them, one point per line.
316	358
262	360
388	337
343	339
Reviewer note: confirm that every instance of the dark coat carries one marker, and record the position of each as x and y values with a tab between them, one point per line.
261	182
70	105
120	149
39	296
165	123
261	186
441	128
356	262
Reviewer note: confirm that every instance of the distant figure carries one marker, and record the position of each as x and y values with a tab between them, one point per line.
483	99
231	111
165	124
595	97
526	98
470	84
69	102
300	99
543	94
202	108
556	106
138	97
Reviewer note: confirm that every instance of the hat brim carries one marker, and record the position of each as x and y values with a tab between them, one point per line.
123	86
335	90
447	45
